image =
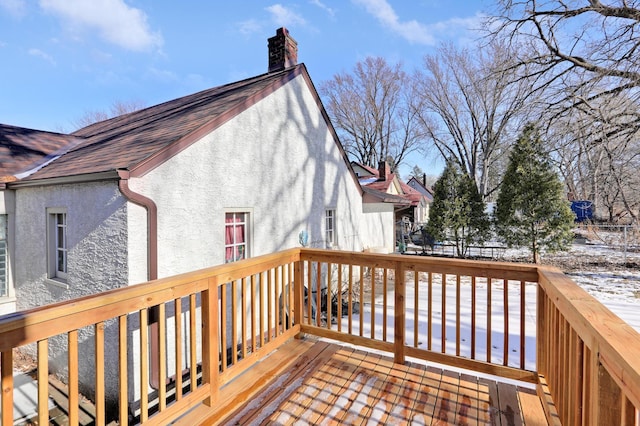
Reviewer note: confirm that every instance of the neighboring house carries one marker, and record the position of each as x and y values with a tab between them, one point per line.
427	192
223	174
411	205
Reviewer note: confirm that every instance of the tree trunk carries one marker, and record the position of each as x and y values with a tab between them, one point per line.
534	244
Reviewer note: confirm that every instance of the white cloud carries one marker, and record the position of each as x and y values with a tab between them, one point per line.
249	27
42	55
283	16
16	8
323	6
113	20
416	32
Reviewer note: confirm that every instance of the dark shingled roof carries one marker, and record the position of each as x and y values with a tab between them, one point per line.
23	149
133	139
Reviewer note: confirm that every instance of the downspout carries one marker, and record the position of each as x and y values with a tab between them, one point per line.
152	221
152	263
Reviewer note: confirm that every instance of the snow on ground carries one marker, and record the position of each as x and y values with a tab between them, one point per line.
608	274
605	272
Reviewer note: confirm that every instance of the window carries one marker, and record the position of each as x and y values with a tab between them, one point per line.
235	236
57	232
4	283
330	227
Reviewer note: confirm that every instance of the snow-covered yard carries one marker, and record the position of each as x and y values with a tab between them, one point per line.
607	274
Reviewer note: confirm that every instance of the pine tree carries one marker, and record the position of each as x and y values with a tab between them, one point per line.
532	208
457	212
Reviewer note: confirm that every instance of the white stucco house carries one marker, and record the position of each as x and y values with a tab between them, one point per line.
230	172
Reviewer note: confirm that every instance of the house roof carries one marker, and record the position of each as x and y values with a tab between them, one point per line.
420	187
141	140
374	185
373	195
23	151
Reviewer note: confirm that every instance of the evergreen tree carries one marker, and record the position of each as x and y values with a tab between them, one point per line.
457	212
532	208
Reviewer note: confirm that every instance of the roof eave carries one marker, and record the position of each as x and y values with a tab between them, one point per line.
83	178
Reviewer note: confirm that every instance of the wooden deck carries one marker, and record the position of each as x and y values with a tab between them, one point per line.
314	382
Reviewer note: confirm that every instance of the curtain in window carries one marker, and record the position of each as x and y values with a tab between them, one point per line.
234	237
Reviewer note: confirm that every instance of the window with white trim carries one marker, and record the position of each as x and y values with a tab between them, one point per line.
4	281
57	241
236	235
330	227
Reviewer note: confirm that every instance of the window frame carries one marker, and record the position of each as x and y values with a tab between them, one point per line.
330	227
246	244
55	230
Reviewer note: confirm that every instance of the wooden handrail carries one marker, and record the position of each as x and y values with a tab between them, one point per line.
593	348
224	318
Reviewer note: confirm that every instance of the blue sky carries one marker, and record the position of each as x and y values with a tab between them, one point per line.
62	58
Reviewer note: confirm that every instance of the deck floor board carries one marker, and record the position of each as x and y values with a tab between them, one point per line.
337	384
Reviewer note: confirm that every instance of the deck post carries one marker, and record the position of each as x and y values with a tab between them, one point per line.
6	389
210	349
399	309
298	311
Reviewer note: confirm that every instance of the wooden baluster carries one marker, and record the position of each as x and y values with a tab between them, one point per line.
210	349
100	391
416	307
473	317
399	313
443	309
162	354
254	331
223	328
458	337
193	339
277	300
177	322
361	316
505	302
489	319
430	311
243	316
522	324
298	295
373	303
328	297
339	313
309	292
385	301
234	322
318	291
43	382
73	376
350	299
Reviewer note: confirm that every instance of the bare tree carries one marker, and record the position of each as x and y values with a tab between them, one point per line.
577	50
598	153
370	108
116	109
469	104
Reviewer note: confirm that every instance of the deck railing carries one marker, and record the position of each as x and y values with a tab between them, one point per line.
202	329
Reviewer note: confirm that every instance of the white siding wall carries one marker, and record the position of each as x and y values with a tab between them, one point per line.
97	257
276	160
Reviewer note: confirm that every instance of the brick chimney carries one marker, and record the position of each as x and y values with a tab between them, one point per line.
383	170
283	51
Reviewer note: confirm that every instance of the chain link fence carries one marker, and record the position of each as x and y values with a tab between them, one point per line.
622	238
